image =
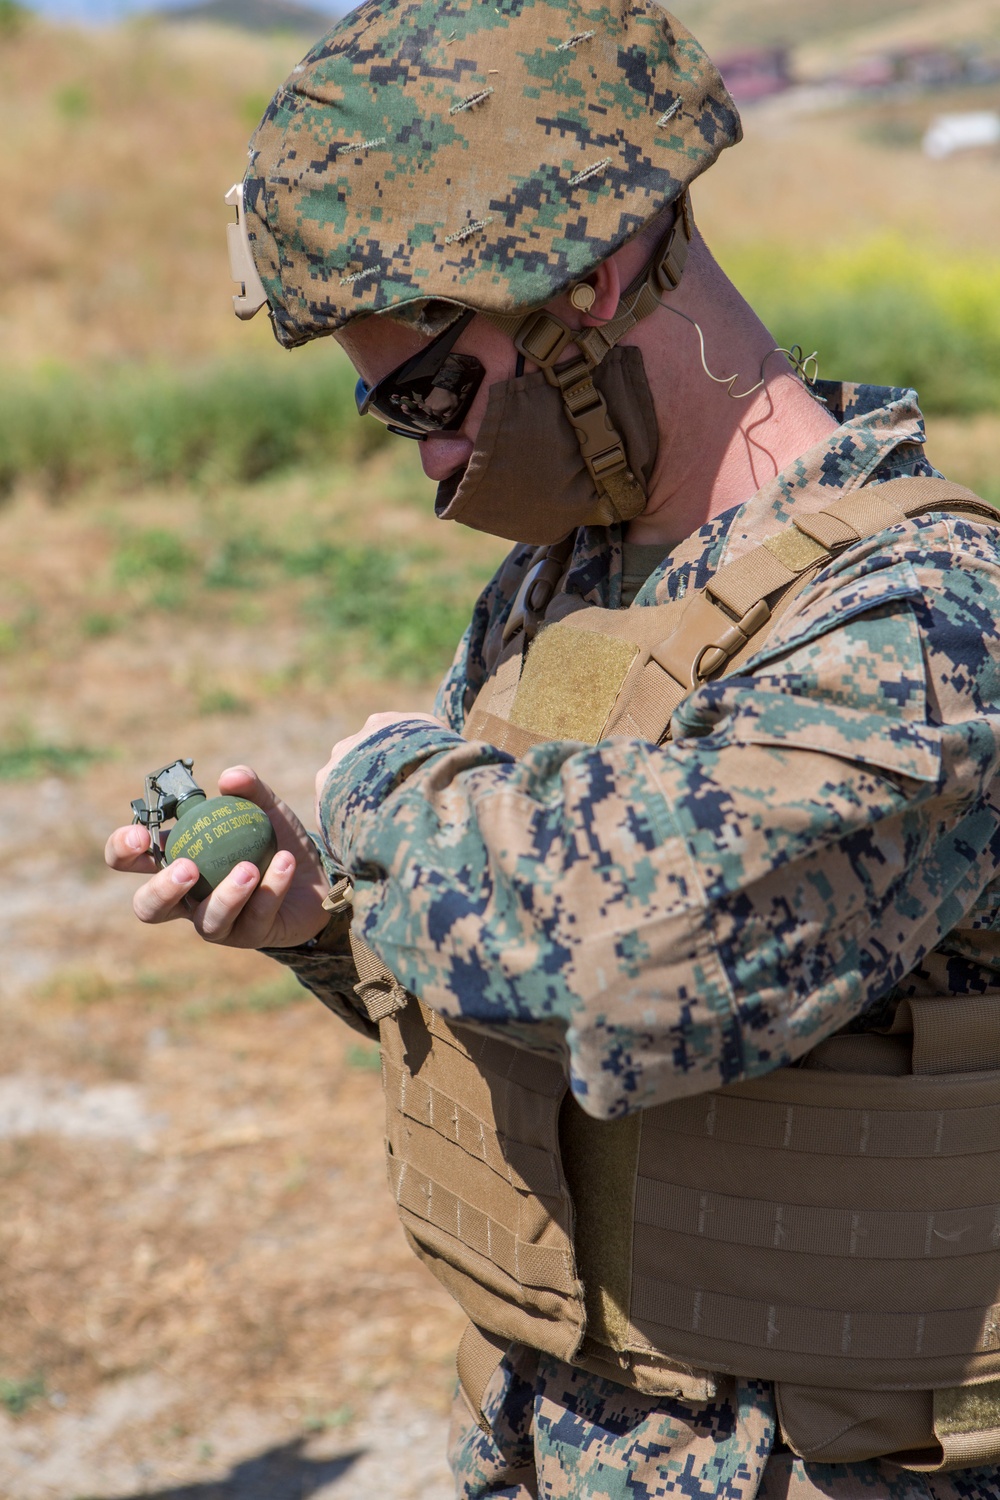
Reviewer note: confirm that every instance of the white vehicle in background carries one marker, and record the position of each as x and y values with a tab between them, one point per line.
947	134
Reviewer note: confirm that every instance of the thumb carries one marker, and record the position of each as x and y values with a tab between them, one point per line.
241	781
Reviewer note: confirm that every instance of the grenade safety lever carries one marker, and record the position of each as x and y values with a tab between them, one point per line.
217	833
166	790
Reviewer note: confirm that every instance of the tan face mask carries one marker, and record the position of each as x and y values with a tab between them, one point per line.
526	479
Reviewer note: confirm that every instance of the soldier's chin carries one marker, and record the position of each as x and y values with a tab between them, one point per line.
444	456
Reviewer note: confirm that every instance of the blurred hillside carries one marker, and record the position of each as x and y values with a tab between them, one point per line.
117	163
823	32
120	144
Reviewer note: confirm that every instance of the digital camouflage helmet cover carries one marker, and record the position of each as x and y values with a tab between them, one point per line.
486	154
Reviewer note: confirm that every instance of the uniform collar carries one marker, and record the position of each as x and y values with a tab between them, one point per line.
881	435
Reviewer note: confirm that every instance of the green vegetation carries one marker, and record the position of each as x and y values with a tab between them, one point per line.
24	759
220	424
366	1059
408	607
17	1395
251	109
257	999
328	1421
403	608
12	17
74	102
885	312
86	987
881	311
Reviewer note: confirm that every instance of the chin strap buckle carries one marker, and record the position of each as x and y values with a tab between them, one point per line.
543	338
622	497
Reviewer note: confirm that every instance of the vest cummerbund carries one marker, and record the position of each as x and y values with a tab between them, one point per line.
814	1228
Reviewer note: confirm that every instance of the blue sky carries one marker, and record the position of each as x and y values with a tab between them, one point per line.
112	10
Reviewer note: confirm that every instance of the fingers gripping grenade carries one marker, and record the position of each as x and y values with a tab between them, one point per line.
217	833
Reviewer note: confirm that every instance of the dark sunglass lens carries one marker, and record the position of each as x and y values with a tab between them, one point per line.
429	393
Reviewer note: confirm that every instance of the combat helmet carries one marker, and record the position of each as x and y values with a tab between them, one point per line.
481	155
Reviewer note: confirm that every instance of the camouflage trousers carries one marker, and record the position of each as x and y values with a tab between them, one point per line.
562	1434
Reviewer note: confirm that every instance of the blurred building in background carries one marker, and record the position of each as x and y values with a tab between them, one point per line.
756	74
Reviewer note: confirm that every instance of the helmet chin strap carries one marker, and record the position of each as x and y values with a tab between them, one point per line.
542	337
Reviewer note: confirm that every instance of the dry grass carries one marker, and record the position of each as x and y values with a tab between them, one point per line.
118	148
816	182
729	25
117	160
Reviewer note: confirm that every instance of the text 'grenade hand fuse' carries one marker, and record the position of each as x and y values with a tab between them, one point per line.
218	833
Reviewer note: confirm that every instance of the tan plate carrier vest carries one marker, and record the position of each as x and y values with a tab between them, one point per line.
832	1227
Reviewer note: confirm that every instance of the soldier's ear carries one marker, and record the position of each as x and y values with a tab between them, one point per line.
607	287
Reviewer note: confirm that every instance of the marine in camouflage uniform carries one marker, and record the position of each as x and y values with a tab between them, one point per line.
866	727
818	839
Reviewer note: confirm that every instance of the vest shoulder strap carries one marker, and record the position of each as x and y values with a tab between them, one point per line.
570	689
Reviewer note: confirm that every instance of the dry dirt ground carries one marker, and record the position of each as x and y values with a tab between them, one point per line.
203	1289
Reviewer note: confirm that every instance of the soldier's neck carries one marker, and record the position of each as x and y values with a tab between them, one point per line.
715	452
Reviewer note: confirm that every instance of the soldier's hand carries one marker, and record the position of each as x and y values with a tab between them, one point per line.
372	725
279	909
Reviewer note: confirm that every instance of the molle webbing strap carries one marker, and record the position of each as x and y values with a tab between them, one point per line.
472	1127
823	1192
623	497
802	1229
728	619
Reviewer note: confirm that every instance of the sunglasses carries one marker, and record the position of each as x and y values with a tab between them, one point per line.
430	393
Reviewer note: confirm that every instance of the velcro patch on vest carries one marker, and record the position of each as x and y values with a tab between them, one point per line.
967	1425
795	549
967	1408
570	683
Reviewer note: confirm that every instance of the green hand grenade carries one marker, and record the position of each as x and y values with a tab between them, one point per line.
216	832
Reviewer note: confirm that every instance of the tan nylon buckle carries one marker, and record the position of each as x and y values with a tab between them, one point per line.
611	459
600	445
542	338
670	267
340	896
714	657
688	657
537	588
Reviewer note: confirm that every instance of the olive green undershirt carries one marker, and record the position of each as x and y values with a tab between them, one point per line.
639	559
